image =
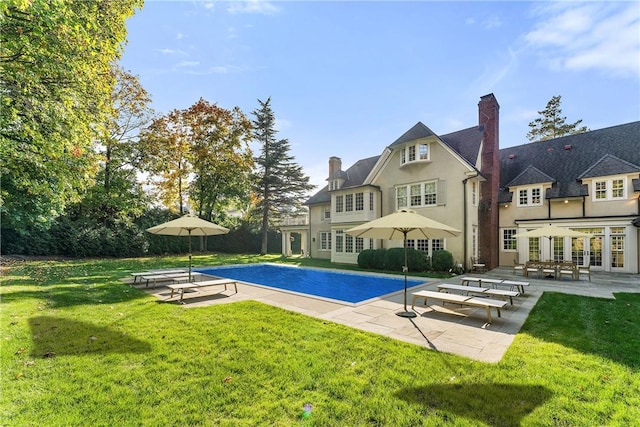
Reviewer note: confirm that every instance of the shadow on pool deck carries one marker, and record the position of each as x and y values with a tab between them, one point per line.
450	329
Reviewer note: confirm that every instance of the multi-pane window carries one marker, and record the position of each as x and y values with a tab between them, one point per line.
370	201
359	244
339	203
348	243
558	249
609	189
339	240
617	189
617	247
423	151
401	197
414	153
326	213
509	243
437	245
416	194
425	245
530	196
430	193
348	202
422	194
359	201
325	240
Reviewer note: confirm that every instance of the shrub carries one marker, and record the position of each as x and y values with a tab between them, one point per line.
394	259
378	259
442	261
365	258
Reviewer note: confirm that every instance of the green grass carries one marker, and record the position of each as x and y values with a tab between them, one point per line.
79	347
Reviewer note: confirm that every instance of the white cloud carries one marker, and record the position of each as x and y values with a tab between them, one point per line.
491	23
253	6
282	124
167	51
187	64
219	69
180	36
582	36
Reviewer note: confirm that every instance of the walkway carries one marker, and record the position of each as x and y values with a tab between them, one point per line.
449	329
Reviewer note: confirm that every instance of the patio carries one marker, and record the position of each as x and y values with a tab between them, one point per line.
456	330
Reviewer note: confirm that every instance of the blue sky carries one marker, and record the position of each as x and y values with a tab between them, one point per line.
348	78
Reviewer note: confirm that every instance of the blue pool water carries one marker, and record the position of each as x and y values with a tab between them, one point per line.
347	287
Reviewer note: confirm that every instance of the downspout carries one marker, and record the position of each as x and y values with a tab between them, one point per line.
464	223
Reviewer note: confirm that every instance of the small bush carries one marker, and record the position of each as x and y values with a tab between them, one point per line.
378	258
365	258
442	261
394	259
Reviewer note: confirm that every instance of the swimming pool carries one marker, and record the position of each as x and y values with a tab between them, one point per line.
341	286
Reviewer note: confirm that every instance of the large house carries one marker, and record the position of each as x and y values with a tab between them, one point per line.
589	182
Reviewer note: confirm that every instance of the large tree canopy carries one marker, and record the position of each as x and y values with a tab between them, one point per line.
552	124
56	87
199	156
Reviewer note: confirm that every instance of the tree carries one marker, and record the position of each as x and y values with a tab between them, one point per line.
55	85
552	124
279	181
200	155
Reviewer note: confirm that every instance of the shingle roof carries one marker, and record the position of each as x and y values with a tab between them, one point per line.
419	130
531	175
466	142
355	177
569	158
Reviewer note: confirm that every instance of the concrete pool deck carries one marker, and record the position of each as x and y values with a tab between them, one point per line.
449	329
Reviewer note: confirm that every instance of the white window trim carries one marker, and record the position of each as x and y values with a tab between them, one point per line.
404	153
609	189
328	241
407	197
515	231
529	190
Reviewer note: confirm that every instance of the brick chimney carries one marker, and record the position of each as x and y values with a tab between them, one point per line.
335	166
488	227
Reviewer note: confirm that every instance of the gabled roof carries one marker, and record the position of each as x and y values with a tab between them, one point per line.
531	175
354	177
570	158
419	130
609	165
466	142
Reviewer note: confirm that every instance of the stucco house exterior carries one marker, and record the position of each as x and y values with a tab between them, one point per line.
589	182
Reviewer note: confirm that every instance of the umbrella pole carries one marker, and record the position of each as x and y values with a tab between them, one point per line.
405	268
189	255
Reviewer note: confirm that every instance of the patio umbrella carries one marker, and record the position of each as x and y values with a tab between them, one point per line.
551	231
188	225
402	225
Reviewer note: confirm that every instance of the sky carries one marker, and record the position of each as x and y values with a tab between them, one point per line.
347	78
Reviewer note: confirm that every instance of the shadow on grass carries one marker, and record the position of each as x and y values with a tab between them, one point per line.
605	327
58	296
493	404
55	336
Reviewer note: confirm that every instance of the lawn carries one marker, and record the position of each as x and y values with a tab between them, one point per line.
79	347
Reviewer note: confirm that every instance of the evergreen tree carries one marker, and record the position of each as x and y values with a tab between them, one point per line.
279	182
552	124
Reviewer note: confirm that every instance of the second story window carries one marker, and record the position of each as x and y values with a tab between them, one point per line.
348	202
609	189
415	153
339	203
359	201
530	196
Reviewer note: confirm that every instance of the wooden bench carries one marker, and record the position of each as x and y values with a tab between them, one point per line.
152	272
467	280
166	277
460	299
181	287
480	291
515	284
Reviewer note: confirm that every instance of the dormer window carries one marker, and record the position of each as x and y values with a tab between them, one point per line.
415	153
335	184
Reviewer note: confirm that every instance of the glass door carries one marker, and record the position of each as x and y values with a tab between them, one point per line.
588	250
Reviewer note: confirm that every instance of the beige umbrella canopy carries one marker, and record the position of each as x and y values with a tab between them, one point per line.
551	231
402	225
188	225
